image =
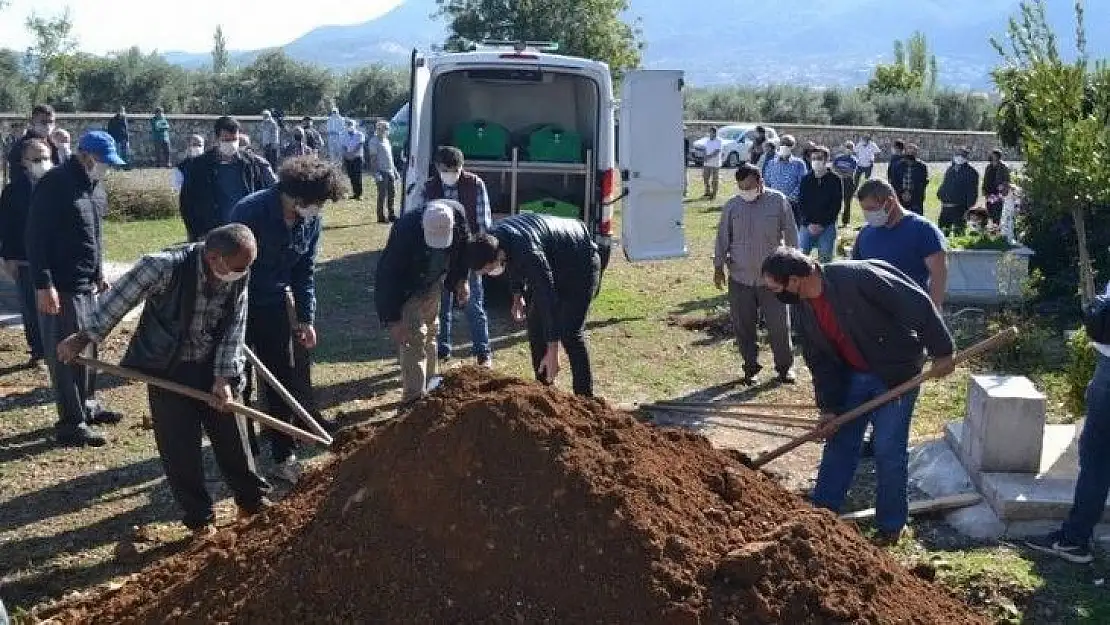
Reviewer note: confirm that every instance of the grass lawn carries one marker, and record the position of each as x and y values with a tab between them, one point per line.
65	513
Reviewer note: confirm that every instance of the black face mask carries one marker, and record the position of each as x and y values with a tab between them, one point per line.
788	298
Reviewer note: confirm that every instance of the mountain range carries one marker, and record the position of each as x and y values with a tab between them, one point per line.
721	42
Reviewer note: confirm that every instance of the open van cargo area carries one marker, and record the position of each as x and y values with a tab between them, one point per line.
530	133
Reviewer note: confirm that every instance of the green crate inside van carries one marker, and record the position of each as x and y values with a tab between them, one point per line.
481	139
551	206
554	144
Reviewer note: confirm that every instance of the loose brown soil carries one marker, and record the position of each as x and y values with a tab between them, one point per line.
501	501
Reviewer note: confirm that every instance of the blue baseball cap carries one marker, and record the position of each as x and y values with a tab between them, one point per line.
101	145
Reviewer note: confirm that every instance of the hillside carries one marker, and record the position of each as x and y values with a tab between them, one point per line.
729	41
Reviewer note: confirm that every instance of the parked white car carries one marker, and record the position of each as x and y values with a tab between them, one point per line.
735	145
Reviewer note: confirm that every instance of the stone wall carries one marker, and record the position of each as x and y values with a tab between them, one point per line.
935	145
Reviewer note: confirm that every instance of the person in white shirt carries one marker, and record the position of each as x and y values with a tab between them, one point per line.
353	142
711	167
337	130
866	152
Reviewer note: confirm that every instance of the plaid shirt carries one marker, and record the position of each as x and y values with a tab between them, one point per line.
482	210
214	299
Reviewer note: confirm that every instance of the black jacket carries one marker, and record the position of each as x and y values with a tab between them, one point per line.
15	202
63	229
889	319
995	176
197	201
403	271
919	180
549	257
118	128
960	186
821	199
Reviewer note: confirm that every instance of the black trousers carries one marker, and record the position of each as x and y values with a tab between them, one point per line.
270	336
178	422
28	309
354	172
573	305
74	385
849	184
953	219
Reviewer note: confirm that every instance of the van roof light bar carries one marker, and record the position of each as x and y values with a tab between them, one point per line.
521	46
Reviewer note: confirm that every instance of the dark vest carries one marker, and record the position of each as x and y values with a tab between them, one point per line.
468	196
156	345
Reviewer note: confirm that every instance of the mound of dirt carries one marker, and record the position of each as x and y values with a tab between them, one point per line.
502	501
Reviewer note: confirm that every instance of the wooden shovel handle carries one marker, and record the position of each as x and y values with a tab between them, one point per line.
193	393
276	384
832	425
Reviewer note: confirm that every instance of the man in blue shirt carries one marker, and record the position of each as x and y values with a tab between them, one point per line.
285	220
910	242
784	174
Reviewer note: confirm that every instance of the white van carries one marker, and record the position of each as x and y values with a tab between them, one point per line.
516	89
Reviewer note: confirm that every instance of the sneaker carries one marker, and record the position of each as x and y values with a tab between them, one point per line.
35	362
788	377
105	417
485	361
289	470
1055	544
82	437
751	376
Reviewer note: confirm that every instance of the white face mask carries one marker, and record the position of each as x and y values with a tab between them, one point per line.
749	195
98	172
785	151
64	152
231	276
959	160
229	148
496	271
449	178
38	170
194	151
308	212
876	218
820	167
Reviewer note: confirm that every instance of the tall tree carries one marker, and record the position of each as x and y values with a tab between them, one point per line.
914	68
220	58
49	58
1057	112
587	28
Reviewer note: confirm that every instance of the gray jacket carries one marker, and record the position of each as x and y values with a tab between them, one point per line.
749	231
888	318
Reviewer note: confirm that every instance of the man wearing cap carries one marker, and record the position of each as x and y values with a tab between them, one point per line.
554	271
425	251
64	251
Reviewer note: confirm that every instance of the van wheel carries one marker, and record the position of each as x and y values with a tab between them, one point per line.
733	160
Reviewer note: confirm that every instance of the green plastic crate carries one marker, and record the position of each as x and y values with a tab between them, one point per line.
551	206
481	140
554	144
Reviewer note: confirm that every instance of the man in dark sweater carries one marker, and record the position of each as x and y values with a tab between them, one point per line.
425	251
65	253
864	328
819	204
910	178
120	130
214	182
996	183
191	331
957	193
554	271
15	204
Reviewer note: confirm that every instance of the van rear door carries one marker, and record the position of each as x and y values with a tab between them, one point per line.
652	165
416	166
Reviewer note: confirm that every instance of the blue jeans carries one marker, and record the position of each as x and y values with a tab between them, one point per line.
891	435
475	316
824	242
1093	483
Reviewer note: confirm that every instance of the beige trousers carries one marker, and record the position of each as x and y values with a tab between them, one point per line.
420	315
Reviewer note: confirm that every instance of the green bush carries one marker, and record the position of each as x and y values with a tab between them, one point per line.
1081	368
850	108
140	194
966	110
906	110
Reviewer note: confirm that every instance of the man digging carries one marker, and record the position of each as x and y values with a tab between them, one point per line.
192	331
864	327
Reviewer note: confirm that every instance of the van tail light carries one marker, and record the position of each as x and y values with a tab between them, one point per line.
610	183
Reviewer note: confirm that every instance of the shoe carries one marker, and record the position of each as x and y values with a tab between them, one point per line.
82	437
392	218
750	376
888	539
203	532
246	512
382	220
289	470
1055	544
485	361
105	417
788	377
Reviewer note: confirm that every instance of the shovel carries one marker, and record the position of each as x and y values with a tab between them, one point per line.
827	428
193	393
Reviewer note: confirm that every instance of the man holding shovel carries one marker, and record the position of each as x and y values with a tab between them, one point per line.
865	327
191	331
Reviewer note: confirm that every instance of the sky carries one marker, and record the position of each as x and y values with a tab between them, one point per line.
186	25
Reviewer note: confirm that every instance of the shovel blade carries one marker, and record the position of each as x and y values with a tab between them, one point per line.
434	383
